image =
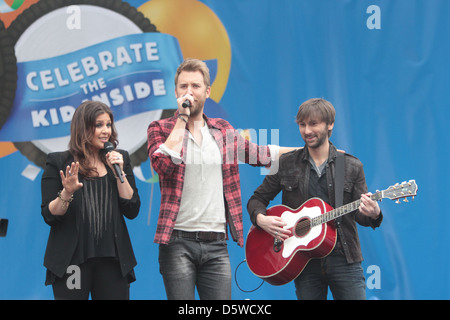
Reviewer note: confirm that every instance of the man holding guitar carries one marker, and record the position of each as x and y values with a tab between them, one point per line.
309	173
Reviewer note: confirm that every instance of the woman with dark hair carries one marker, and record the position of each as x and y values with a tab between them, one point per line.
83	200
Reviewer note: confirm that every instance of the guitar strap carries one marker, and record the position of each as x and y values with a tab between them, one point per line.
339	180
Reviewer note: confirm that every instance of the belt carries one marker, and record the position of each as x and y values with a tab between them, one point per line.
199	235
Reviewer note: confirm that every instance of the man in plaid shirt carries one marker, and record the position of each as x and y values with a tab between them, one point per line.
196	159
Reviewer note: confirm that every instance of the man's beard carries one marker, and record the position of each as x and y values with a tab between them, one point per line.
195	111
321	139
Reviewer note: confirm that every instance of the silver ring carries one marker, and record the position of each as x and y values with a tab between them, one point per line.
70	173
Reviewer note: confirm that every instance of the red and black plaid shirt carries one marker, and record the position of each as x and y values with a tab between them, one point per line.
233	147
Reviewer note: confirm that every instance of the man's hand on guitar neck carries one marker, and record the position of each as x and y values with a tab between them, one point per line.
369	207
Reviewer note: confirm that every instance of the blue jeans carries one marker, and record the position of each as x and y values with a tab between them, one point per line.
346	281
186	264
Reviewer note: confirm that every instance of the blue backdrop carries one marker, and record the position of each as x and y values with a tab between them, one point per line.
384	64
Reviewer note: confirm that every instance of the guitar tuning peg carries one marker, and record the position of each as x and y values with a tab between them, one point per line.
412	198
398	201
405	200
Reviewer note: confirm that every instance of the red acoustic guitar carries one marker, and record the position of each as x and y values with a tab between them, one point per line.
313	235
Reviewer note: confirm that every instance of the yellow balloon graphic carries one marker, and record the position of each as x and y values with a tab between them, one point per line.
199	31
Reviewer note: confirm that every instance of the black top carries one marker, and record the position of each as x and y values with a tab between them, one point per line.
96	236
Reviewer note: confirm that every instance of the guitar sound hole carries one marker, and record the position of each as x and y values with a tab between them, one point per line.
302	228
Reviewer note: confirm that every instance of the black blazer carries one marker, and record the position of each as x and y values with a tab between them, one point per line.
64	230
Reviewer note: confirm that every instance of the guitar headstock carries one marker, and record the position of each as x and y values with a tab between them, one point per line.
399	191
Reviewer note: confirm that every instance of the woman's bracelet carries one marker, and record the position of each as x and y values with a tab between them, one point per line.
65	203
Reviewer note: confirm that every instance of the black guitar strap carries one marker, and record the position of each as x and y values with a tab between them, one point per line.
339	180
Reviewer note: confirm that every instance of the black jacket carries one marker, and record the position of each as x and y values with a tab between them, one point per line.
63	236
292	178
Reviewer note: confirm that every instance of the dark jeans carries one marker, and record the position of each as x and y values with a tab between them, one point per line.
100	277
346	281
186	264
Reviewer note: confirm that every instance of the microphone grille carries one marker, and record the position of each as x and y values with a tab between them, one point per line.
108	146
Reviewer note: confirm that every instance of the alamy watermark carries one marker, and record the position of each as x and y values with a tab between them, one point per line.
240	146
374	20
73	21
74	280
374	280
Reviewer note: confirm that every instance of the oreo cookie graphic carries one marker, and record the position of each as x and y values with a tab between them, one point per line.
71	51
8	74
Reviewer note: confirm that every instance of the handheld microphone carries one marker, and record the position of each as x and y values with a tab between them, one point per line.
108	146
186	104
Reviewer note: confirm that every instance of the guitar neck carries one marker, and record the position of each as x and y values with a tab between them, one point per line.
338	212
395	192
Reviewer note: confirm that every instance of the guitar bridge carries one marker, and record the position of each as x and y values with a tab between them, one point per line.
277	245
